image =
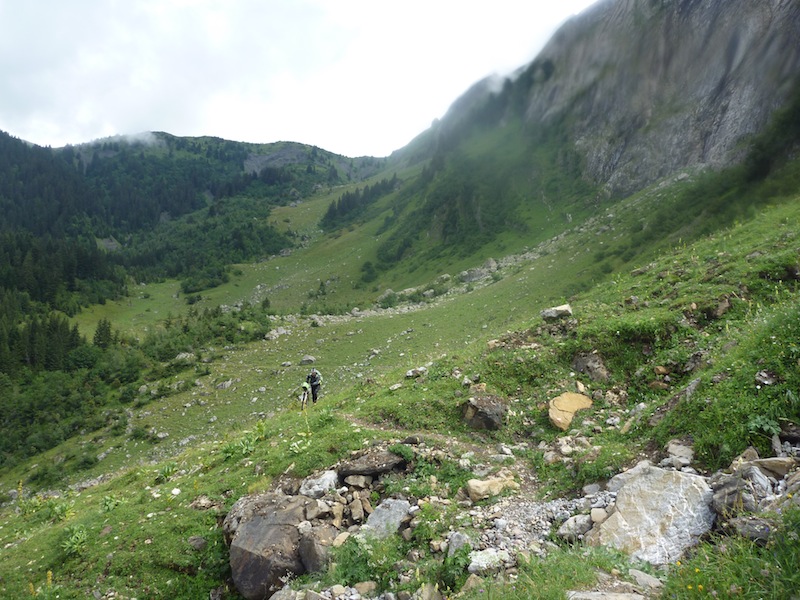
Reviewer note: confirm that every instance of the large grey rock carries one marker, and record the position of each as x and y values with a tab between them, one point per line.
264	550
386	518
658	515
253	505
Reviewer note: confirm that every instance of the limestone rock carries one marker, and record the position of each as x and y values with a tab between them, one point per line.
658	514
556	312
316	487
490	560
480	489
564	407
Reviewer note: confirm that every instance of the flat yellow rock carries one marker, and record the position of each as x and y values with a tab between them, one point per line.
564	407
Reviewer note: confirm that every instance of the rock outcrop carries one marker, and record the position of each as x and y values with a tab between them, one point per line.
656	87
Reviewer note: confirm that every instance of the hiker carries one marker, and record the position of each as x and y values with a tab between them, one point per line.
314	379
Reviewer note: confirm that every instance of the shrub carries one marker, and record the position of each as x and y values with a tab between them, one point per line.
76	539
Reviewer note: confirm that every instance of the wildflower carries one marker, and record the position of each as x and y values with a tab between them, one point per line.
689	587
700	587
696	570
49	579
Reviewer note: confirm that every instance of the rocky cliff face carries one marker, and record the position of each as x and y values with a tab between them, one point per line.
649	87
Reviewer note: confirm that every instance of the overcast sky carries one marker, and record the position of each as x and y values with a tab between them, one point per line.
356	77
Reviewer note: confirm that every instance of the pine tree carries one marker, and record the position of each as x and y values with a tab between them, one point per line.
102	335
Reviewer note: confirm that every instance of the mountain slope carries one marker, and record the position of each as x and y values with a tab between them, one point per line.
624	95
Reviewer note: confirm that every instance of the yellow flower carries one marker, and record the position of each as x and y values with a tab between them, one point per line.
688	587
700	587
696	570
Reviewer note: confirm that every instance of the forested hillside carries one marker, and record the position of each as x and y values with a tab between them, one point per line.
82	224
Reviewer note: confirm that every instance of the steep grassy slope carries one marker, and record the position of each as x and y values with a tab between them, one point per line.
128	532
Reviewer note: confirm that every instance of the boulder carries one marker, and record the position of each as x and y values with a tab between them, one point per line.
372	464
556	312
386	519
563	408
575	527
658	514
485	412
264	549
591	365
